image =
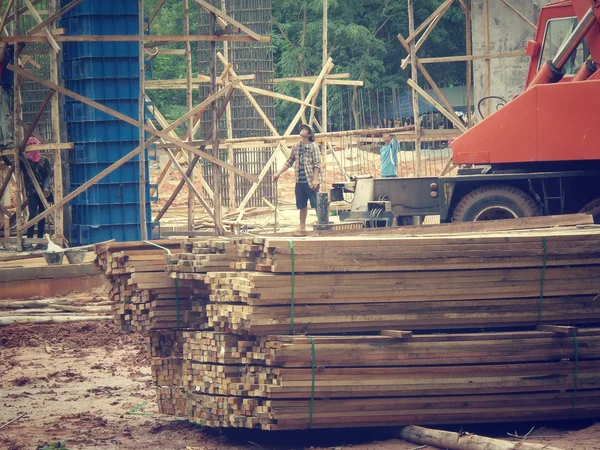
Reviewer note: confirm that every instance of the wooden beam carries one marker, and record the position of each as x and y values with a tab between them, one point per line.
5	16
42	147
164	124
21	11
45	30
324	71
58	192
131	121
444	59
122	161
413	35
519	15
210	8
486	50
161	3
406	61
452	118
182	83
414	80
312	79
191	186
150	40
437	90
18	137
191	210
141	124
431	82
469	64
52	18
190	168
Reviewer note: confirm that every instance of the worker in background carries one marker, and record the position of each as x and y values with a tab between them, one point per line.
42	170
7	56
306	160
389	157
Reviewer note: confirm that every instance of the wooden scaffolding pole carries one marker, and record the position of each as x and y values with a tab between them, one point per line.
141	112
18	136
191	201
216	170
59	222
414	77
324	93
229	120
469	51
486	50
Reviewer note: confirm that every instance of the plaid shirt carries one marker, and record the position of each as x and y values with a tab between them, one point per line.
311	157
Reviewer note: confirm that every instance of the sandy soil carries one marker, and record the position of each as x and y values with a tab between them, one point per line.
79	383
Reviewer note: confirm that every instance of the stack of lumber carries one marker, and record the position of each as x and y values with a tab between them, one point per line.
199	257
514	249
387	380
144	296
253	370
166	352
259	304
470	281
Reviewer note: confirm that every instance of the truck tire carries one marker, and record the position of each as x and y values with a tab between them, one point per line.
592	208
495	203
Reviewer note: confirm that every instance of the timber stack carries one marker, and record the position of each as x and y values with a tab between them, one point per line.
269	353
144	296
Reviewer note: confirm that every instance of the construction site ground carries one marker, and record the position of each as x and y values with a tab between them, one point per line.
88	385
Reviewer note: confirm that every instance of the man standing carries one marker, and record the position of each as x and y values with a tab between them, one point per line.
389	157
7	56
42	170
306	159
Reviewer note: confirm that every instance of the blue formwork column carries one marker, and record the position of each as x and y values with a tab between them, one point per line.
108	73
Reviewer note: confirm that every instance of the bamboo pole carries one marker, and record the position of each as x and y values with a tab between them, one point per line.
451	117
216	170
229	120
414	77
486	50
469	51
124	159
58	193
324	92
18	137
142	137
123	117
188	99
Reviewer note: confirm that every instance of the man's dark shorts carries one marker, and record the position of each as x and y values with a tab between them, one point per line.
303	194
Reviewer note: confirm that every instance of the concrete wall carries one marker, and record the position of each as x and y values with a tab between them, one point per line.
508	33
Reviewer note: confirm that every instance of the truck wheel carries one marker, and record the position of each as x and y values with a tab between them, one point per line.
495	203
592	208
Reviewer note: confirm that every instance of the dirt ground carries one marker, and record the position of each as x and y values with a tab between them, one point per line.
88	386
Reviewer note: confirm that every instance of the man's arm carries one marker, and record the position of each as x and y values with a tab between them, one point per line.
288	163
395	151
317	166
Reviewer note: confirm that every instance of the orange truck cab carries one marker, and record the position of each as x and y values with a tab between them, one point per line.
537	155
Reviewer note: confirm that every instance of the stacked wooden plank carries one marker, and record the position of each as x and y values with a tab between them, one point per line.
406	282
166	351
144	296
253	370
516	249
201	256
364	380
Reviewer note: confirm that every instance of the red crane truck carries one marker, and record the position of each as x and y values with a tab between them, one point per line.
537	155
